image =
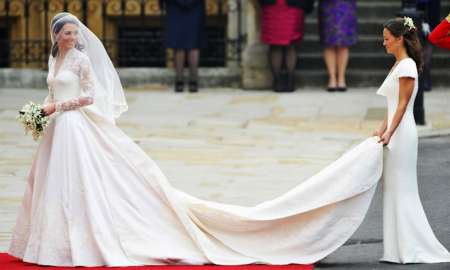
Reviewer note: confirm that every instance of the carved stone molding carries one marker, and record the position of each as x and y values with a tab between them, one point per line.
133	8
16	8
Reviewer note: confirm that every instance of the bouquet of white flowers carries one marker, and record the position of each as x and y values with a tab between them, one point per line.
33	119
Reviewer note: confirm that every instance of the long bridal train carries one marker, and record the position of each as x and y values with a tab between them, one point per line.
95	198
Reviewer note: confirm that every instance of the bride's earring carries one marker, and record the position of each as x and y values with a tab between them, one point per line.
79	46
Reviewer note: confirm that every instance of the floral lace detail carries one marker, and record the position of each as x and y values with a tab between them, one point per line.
73	104
79	64
50	98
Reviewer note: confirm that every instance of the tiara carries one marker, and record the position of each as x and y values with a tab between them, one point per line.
409	22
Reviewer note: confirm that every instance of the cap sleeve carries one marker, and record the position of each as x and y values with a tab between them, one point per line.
407	68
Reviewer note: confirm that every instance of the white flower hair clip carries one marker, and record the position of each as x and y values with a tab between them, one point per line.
409	22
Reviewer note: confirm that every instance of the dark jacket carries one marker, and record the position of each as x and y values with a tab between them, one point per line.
306	5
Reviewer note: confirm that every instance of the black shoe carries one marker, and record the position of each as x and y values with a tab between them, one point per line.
179	85
282	83
276	84
193	86
332	89
290	82
341	89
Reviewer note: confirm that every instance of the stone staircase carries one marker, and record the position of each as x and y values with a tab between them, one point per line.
368	63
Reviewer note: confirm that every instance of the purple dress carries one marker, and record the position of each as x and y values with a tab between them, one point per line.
337	23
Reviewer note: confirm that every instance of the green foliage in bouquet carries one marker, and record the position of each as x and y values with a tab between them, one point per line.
33	119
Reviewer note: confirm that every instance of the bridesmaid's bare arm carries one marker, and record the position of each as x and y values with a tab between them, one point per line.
406	90
380	131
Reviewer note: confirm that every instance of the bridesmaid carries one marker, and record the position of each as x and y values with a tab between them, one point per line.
407	235
338	31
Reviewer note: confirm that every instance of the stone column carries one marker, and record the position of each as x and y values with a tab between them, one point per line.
232	33
255	67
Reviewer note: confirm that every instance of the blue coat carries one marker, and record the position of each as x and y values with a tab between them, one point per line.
185	23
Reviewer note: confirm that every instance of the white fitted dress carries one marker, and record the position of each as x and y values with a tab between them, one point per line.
407	235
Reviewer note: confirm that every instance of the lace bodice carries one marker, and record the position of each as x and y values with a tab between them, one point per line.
72	86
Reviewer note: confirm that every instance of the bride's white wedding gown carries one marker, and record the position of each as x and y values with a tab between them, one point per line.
95	198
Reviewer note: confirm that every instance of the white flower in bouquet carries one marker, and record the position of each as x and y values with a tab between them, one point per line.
33	119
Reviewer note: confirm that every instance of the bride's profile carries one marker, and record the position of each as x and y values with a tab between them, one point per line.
94	198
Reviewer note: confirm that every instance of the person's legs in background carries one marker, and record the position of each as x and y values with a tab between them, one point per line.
426	72
336	59
330	56
291	63
338	31
193	59
276	63
342	60
179	62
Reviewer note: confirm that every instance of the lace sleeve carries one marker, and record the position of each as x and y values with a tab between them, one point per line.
49	99
84	71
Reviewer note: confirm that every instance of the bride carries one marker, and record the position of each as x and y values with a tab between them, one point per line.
95	198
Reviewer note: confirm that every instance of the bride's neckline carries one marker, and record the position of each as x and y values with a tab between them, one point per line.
56	71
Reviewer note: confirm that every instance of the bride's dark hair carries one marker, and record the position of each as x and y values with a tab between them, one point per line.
57	24
411	41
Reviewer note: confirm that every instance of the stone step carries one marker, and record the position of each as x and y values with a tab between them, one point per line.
374	43
362	78
364	61
356	77
162	78
372	9
382	9
369	63
311	44
371	27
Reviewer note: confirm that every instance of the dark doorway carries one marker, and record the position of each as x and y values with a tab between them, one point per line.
144	45
139	47
4	47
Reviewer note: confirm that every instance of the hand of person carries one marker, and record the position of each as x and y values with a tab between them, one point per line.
377	133
49	109
385	138
448	18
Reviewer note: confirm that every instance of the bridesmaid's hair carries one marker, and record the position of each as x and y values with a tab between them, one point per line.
56	27
398	28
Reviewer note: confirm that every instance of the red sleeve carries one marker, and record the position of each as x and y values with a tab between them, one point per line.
441	35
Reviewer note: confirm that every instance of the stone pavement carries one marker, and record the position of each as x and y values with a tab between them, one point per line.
227	145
